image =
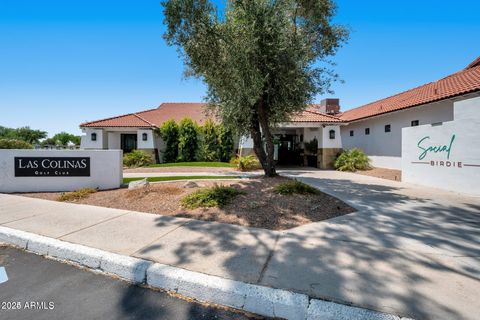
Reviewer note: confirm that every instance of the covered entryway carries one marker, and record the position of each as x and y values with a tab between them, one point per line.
128	142
288	148
307	144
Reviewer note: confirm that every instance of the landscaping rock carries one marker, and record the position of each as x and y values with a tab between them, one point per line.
137	184
190	184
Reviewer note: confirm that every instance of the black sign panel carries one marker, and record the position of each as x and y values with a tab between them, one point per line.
52	166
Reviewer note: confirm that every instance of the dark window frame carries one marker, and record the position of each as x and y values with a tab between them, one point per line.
331	134
414	123
352	133
93	136
367	131
388	128
144	136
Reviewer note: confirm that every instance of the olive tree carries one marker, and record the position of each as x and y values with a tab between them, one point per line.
262	60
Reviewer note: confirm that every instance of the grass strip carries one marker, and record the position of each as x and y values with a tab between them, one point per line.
173	178
193	164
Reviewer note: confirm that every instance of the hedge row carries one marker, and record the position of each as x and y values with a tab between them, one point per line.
187	141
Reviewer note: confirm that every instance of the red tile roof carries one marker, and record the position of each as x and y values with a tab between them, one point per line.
155	117
474	63
311	115
462	82
178	111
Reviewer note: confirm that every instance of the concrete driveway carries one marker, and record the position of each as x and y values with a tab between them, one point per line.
409	250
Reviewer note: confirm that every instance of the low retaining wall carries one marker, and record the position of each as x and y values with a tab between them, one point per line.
59	170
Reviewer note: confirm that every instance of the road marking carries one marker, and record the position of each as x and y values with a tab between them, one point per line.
3	275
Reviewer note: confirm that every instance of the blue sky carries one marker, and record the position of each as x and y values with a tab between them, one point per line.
64	62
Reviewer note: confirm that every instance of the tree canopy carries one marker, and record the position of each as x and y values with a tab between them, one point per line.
63	138
26	134
33	136
262	60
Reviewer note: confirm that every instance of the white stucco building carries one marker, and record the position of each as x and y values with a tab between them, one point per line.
375	128
137	130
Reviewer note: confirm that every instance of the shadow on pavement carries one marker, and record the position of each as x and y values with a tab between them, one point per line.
399	254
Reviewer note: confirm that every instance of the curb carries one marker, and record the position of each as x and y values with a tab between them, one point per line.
252	298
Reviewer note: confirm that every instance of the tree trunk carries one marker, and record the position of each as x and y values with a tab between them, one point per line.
264	156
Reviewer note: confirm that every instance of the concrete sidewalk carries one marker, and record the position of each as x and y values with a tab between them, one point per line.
408	251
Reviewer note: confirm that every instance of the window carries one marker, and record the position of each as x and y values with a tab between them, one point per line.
331	134
144	137
388	128
93	136
414	123
351	133
367	131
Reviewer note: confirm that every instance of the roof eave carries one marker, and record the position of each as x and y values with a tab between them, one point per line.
412	106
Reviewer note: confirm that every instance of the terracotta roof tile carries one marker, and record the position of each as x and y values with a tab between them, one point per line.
474	63
127	120
154	117
310	115
462	82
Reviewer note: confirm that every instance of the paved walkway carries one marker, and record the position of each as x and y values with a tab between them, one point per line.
409	251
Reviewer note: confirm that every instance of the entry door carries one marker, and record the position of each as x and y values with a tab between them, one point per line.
129	142
287	151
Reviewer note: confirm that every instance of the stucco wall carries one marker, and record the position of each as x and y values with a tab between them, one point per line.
105	171
311	133
110	138
114	140
454	164
87	143
328	143
385	148
149	143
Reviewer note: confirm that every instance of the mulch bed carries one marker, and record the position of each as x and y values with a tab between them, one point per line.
258	207
390	174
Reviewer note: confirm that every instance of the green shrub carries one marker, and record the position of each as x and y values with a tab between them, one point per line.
225	143
14	144
77	194
246	163
216	196
294	186
187	140
169	134
352	160
137	158
209	147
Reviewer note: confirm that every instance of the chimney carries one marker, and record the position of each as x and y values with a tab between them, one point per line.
330	106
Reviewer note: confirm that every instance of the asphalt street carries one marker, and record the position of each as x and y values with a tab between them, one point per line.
40	288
